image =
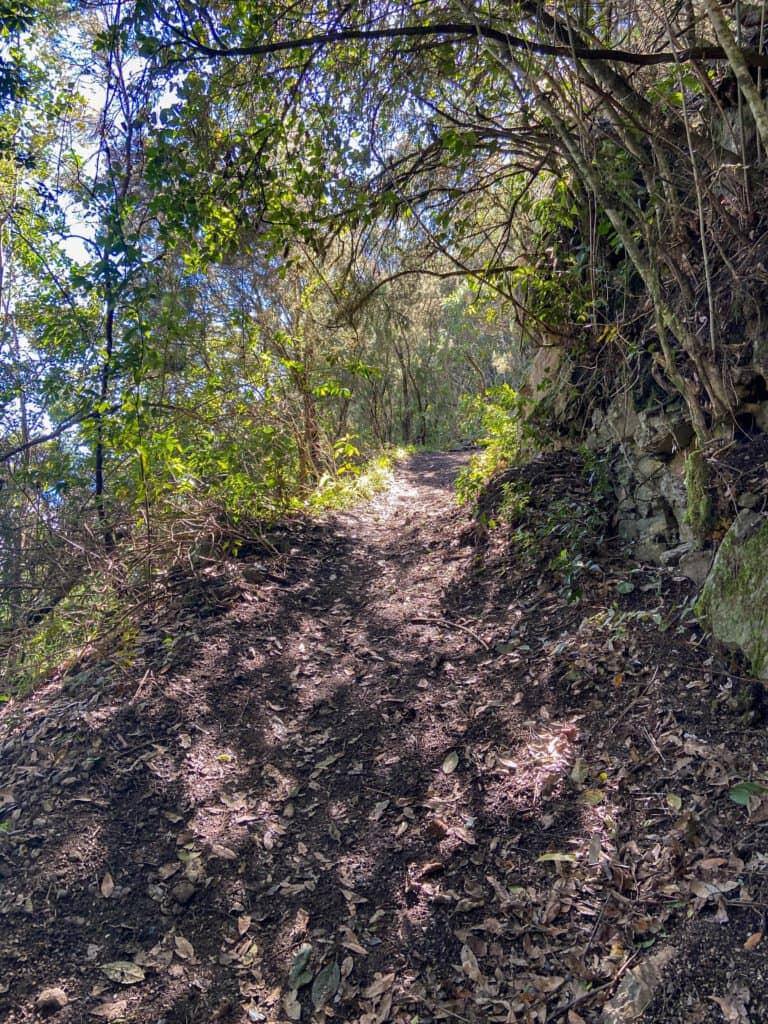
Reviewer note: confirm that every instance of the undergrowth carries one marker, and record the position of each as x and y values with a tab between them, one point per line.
102	609
501	417
85	616
354	483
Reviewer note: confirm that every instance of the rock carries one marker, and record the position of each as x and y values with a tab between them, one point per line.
663	433
628	529
618	424
647	468
649	551
673	555
734	601
183	892
653	527
748	500
51	1000
672	489
696	565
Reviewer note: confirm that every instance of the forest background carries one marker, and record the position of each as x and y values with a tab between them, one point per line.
245	249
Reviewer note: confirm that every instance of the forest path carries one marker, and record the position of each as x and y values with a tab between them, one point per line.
386	775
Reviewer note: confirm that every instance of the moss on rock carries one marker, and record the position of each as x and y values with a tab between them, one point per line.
734	602
698	514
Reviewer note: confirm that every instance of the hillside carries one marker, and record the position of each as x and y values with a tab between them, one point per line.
397	772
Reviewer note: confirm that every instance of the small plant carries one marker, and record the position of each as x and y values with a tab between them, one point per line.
516	497
502	415
352	484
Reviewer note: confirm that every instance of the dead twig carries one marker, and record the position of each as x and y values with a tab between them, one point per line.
586	996
451	625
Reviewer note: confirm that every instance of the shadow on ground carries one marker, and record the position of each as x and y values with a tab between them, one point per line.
401	776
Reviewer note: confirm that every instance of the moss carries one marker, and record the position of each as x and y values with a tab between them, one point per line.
698	513
734	602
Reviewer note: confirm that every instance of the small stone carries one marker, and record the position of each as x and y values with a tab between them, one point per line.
696	565
183	892
51	1000
254	573
673	555
748	500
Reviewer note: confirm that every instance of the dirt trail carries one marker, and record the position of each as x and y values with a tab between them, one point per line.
385	775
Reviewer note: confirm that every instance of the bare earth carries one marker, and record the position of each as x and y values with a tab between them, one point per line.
389	772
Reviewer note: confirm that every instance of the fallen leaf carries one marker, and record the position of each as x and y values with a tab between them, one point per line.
547	982
166	871
734	1006
243	924
710	890
593	797
378	809
299	974
469	965
111	1011
709	863
595	849
217	850
637	989
107	886
743	791
381	984
432	867
124	972
556	858
184	948
451	763
292	1006
753	941
351	941
325	985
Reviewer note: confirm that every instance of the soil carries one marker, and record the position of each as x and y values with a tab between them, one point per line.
395	766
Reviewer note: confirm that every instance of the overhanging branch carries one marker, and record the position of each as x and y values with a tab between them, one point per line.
453	31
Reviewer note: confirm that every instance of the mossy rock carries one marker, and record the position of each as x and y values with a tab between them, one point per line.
734	602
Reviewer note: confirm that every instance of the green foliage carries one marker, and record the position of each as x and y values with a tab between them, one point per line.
743	792
575	528
500	416
84	617
360	483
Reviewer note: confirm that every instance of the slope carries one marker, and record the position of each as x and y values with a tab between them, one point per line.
391	771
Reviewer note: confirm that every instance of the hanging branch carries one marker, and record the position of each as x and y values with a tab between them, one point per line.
452	31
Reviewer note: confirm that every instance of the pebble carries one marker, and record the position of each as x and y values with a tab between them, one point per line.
183	892
51	1000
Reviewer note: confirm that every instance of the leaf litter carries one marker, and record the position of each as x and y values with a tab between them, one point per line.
335	806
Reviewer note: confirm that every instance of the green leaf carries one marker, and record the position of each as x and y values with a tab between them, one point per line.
742	791
325	985
299	974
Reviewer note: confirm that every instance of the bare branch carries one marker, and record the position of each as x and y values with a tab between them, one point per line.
452	31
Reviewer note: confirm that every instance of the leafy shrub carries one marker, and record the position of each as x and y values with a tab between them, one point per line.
501	415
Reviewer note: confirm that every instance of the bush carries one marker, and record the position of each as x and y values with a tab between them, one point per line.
502	416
